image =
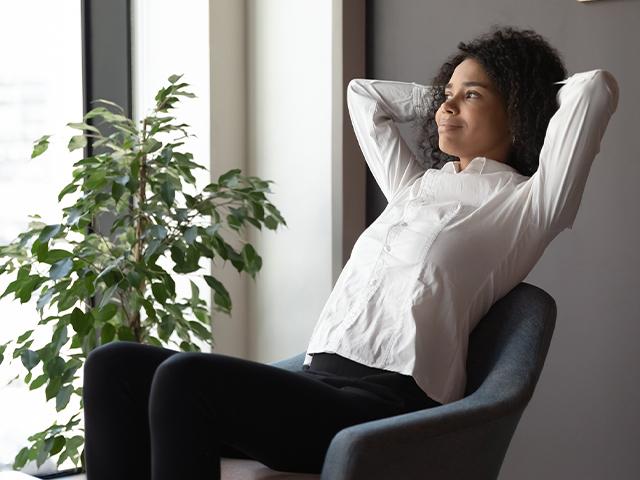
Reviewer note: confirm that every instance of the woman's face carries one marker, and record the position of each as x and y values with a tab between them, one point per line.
472	121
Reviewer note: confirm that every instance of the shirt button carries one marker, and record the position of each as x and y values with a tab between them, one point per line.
387	248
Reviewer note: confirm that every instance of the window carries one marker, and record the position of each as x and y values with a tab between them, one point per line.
40	91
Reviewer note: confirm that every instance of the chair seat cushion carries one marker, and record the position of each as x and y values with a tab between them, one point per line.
246	469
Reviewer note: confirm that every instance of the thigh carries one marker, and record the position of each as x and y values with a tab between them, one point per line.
281	418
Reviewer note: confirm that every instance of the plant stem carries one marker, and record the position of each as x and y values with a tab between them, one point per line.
142	198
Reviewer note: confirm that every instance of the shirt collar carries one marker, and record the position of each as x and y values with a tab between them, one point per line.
481	165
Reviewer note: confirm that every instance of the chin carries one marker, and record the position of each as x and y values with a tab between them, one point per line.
449	151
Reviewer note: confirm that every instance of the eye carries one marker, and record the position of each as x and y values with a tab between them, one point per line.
468	93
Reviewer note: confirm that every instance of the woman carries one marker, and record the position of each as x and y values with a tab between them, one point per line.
504	175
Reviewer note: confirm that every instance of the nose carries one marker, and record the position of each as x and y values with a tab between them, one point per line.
448	105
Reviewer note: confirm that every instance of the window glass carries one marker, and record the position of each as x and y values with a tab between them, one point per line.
40	92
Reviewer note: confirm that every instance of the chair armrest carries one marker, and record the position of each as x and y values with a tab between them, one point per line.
292	363
428	443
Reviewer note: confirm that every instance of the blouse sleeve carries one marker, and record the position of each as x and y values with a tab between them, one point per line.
586	102
374	107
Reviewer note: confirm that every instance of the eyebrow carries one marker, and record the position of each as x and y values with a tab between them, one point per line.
470	84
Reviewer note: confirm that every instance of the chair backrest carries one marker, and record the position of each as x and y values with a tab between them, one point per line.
508	347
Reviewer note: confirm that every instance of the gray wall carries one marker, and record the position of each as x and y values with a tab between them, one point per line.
583	420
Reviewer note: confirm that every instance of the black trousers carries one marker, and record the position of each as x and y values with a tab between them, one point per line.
156	413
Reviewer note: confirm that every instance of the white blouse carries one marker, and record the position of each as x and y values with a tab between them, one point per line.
450	243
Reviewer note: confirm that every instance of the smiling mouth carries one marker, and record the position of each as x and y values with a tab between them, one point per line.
445	127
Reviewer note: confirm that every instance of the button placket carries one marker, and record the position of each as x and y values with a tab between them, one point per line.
391	232
367	293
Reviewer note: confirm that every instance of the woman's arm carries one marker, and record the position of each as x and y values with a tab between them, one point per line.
586	102
374	107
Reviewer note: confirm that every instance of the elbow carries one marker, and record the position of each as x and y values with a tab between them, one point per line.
604	86
611	84
352	92
597	88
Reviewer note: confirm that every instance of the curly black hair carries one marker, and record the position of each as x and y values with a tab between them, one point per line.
523	67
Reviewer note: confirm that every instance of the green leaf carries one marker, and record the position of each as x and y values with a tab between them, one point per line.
24	336
110	103
258	210
252	260
190	235
72	366
270	222
200	330
151	145
154	341
159	292
21	459
80	321
107	334
52	388
275	212
234	222
125	333
166	327
40	146
174	78
38	382
63	396
220	290
105	313
3	347
178	253
60	269
28	286
58	444
83	126
72	187
134	279
29	359
195	294
77	141
157	231
48	232
167	193
107	295
44	299
222	301
117	191
229	179
54	367
55	255
95	180
59	338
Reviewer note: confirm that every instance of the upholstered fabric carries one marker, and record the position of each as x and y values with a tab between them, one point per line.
243	469
465	439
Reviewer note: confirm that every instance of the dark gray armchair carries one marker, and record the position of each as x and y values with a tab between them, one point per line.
465	439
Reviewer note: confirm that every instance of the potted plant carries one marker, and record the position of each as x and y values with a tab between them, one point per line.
97	284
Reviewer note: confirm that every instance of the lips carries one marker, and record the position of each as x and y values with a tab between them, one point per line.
448	126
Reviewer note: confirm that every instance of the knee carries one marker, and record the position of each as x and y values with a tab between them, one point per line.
177	368
106	359
174	385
